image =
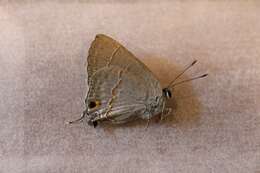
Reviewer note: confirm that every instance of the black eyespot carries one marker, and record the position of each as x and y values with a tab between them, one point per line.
92	104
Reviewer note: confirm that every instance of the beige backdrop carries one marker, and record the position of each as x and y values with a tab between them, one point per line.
216	123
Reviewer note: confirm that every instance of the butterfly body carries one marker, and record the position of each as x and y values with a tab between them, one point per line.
122	88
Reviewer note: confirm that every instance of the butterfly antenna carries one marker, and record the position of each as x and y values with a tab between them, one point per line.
188	67
194	78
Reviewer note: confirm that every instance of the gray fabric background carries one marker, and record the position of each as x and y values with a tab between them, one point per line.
216	123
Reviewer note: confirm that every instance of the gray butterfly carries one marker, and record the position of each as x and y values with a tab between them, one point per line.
122	88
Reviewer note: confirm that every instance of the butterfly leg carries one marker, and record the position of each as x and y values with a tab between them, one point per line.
148	121
165	113
147	124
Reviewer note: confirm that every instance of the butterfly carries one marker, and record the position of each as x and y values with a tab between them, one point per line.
121	87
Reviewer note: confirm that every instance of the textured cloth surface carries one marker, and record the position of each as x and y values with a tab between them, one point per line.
215	126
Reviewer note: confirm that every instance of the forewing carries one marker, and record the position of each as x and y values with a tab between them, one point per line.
105	51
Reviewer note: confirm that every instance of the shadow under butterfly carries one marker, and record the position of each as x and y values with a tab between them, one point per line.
121	87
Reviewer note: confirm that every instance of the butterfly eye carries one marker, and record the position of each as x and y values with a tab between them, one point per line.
93	104
167	93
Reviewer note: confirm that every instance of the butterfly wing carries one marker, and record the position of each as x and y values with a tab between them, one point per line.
100	52
114	72
124	92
